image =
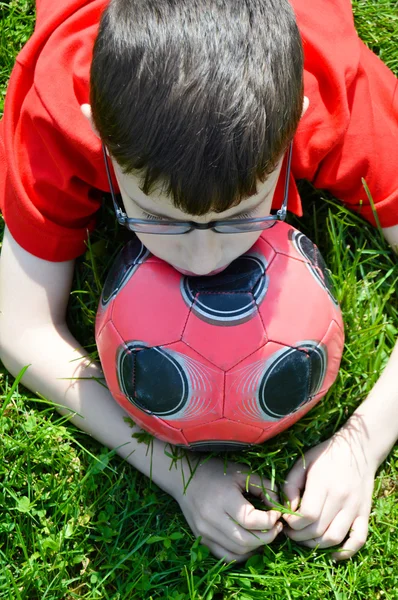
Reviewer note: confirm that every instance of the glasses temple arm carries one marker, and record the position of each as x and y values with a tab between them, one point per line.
120	214
283	210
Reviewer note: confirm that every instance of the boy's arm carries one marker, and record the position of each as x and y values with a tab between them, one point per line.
337	478
376	419
379	412
375	422
391	236
33	298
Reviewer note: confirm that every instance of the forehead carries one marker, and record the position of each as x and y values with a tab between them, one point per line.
159	203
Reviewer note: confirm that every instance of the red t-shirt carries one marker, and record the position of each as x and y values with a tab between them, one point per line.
51	165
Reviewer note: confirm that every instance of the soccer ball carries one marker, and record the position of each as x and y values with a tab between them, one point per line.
224	361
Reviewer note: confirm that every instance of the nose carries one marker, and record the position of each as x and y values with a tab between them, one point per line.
204	251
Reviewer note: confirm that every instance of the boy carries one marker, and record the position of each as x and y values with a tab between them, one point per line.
196	103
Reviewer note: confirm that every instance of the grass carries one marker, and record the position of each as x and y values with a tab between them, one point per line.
79	523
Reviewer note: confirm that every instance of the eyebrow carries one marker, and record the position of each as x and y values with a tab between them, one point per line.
156	214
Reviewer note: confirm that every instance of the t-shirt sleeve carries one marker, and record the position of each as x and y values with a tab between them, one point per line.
54	170
350	133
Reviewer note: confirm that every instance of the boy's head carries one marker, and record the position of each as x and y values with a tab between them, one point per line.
196	102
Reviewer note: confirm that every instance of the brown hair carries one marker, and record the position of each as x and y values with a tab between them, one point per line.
201	96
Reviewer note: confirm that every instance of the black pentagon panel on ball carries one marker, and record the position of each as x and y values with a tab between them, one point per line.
292	378
231	297
318	358
304	245
285	384
212	308
152	379
327	277
124	266
318	267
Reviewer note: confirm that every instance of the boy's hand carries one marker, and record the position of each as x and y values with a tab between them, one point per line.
338	478
215	508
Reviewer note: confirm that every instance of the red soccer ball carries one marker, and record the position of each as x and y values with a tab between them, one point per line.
224	361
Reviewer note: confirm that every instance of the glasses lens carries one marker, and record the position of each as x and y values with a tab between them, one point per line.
157	229
177	229
245	227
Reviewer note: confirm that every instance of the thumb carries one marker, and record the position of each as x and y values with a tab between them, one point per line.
295	483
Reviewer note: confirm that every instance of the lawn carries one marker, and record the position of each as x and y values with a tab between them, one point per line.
77	522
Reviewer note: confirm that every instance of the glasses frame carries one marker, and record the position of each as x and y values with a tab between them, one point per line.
130	222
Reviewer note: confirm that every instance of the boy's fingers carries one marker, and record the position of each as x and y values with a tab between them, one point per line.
295	484
311	507
239	539
219	552
293	495
248	517
235	539
358	534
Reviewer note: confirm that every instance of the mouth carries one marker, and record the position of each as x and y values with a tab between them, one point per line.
190	274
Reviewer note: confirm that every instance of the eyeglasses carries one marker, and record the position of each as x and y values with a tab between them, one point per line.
161	227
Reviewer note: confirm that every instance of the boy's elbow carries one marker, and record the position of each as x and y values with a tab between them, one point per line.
20	345
10	354
391	236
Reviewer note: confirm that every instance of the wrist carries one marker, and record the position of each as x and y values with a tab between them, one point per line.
375	421
169	467
355	433
375	431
